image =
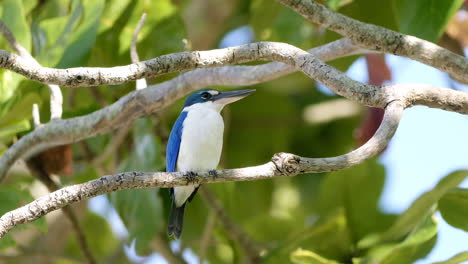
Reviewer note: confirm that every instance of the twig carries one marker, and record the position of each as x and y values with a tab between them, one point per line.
133	50
140	83
36	116
282	164
250	247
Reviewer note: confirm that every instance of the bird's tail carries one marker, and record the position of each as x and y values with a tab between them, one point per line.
176	220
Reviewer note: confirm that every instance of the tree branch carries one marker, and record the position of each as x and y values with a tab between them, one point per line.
282	164
381	39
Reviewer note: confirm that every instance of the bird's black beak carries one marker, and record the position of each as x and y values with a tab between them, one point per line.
230	97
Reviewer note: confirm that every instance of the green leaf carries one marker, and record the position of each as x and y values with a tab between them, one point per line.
7	132
21	110
426	19
301	256
9	82
329	238
413	215
84	37
262	15
338	190
57	33
454	208
459	258
159	16
335	4
417	245
14	17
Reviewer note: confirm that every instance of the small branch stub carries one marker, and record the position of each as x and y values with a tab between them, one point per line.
287	164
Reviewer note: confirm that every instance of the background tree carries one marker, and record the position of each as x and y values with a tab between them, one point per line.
100	126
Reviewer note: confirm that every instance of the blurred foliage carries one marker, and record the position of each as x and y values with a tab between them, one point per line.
454	208
312	218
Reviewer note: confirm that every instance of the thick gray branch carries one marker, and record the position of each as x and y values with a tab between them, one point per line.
283	164
381	39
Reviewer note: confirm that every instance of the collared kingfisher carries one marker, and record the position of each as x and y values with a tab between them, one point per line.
195	144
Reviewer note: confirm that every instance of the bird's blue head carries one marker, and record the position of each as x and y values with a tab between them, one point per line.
213	96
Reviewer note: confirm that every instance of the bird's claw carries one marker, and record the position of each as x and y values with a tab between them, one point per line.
191	176
213	173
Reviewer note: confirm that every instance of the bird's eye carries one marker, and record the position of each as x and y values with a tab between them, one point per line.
206	95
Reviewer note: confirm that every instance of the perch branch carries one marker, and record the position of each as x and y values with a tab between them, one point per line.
282	164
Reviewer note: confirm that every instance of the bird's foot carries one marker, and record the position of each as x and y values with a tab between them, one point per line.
191	176
213	174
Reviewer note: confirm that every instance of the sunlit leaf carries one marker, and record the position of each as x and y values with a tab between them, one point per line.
335	4
418	209
417	245
14	17
329	238
8	84
425	18
454	208
21	110
459	258
301	256
7	132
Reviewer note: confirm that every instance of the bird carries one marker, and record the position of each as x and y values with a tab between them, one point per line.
195	144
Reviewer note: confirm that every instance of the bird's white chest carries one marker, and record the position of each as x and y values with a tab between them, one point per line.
202	140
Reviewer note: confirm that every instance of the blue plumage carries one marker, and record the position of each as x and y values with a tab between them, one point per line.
173	145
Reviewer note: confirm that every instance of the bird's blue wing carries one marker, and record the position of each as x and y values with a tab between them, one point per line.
173	145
